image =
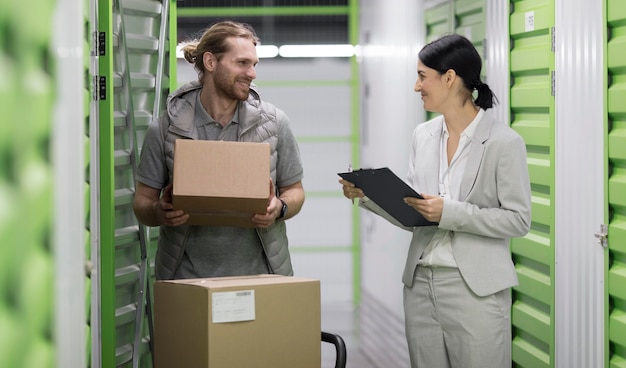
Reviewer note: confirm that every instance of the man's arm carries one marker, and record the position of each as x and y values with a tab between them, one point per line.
152	209
293	195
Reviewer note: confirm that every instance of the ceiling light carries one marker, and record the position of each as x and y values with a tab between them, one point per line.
291	51
296	51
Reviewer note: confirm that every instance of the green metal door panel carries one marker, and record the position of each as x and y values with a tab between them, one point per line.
533	247
536	322
542	211
470	22
616	12
617	189
616	108
532	116
439	20
535	128
528	353
135	66
533	281
543	16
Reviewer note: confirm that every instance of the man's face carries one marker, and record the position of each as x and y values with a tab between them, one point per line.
236	69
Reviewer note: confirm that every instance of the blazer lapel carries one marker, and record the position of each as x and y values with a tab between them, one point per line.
475	154
433	150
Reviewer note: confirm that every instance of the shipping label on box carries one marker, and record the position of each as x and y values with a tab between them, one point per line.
221	183
233	306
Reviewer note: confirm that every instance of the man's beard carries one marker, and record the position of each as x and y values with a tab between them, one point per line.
230	89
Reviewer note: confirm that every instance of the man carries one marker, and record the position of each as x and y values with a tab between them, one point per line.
222	105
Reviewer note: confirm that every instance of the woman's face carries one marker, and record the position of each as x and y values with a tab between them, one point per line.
432	86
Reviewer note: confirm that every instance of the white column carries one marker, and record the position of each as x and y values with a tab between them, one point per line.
497	55
68	140
579	188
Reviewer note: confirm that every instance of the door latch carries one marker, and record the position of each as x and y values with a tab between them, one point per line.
602	235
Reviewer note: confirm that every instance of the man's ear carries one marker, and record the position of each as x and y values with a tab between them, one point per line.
208	59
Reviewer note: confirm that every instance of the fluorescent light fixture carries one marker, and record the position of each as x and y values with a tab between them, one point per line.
263	51
294	51
266	51
179	52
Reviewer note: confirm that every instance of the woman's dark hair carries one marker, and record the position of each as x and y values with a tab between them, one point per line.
457	53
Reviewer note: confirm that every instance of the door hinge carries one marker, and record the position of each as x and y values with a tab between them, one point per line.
99	88
602	235
553	83
99	44
553	39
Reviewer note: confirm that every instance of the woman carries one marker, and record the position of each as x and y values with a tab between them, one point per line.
472	173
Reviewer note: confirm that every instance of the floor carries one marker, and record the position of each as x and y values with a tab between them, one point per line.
343	320
374	337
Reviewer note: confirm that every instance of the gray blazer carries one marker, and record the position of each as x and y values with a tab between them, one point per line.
495	205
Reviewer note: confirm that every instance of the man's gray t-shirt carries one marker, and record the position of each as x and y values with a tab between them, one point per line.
214	251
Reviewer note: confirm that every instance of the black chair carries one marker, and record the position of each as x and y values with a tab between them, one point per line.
340	348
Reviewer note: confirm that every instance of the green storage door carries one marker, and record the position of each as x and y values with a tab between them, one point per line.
470	22
616	98
27	88
135	68
439	20
532	115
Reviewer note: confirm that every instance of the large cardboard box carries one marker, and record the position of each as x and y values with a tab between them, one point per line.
221	183
259	321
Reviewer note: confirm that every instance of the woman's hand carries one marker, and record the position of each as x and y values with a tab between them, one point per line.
431	207
350	191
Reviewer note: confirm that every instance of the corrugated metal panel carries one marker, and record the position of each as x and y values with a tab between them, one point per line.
579	259
616	96
532	115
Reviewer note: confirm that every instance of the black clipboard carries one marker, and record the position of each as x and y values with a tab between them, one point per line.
387	190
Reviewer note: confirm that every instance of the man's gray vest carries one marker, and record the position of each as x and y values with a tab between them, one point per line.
258	122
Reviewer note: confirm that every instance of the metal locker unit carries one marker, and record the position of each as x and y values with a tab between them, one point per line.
616	266
132	84
532	116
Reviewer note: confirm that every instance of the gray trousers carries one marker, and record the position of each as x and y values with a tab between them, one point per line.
448	326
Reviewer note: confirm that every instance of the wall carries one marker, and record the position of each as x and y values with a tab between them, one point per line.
390	38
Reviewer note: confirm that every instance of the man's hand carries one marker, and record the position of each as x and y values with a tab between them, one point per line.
274	206
165	211
154	209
